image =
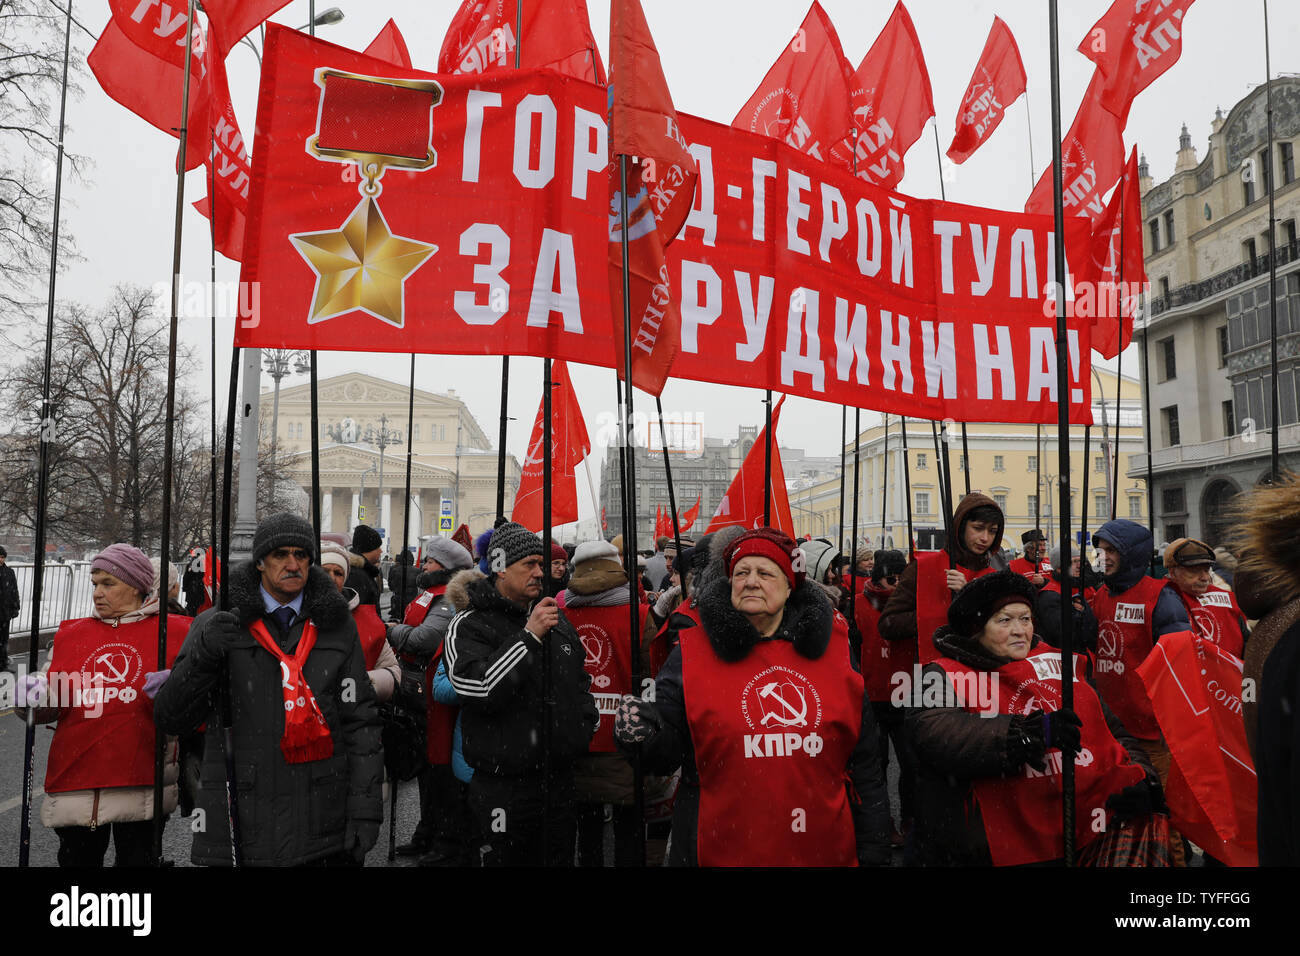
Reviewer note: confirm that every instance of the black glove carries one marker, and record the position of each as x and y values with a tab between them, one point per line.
1142	798
221	632
1062	730
1030	736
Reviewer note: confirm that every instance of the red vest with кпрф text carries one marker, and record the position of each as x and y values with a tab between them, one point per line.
1216	617
1022	811
370	632
1123	642
773	733
933	598
418	609
105	736
607	650
881	659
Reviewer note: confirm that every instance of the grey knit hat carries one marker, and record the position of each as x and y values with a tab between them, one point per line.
510	543
283	531
448	553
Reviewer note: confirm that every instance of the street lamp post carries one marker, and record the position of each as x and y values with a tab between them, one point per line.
361	501
1105	440
381	439
277	362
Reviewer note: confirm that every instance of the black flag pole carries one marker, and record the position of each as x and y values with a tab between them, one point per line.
844	451
45	435
169	446
548	679
907	487
884	485
672	494
629	498
222	601
945	498
965	448
1119	365
1063	428
853	556
767	462
406	568
212	279
1146	420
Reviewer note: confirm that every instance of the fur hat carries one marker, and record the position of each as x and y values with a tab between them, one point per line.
512	542
365	539
129	565
448	553
283	530
888	562
983	597
1030	536
768	543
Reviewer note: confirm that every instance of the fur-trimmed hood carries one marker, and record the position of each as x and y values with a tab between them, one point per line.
809	618
321	601
433	579
457	593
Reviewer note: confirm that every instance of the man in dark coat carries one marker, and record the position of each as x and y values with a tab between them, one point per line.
494	656
9	605
298	804
366	579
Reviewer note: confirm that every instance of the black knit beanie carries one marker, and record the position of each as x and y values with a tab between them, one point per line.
283	531
365	539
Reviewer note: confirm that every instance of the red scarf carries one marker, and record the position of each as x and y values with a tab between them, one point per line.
306	735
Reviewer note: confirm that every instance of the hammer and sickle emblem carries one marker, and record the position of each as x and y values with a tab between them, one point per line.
793	716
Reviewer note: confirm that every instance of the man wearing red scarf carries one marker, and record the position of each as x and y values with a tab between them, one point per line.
307	752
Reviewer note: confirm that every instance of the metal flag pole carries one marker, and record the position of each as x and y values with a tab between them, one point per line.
45	435
548	677
212	280
1063	428
884	485
629	519
1119	368
844	441
945	498
315	398
1272	255
853	557
965	447
907	488
767	463
222	601
672	494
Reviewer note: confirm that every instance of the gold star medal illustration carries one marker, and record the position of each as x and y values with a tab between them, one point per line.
375	122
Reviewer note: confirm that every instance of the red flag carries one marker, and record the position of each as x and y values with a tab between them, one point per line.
604	524
389	45
1115	256
743	503
659	522
569	445
1092	158
1195	691
556	36
661	190
236	18
998	81
891	101
686	521
804	99
1132	44
230	169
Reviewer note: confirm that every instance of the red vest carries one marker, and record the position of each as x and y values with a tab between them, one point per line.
607	649
418	609
881	659
1123	642
933	598
1029	569
1216	617
371	632
773	733
105	736
1022	811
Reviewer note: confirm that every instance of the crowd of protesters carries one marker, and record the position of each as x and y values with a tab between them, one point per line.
538	713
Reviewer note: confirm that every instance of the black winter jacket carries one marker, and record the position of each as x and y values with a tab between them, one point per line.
289	813
496	668
365	579
807	624
954	748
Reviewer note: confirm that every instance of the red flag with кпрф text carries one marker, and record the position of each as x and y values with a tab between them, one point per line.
743	503
1113	272
556	36
804	99
998	81
569	445
1133	44
661	178
1092	158
1195	691
891	102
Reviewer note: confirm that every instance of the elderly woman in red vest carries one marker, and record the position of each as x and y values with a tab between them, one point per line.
988	731
381	662
760	706
98	685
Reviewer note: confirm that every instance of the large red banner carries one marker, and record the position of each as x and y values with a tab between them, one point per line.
393	210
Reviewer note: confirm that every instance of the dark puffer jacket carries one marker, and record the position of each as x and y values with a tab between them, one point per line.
898	619
954	748
289	814
495	667
807	624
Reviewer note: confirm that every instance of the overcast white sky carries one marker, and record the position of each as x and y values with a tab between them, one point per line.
714	55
